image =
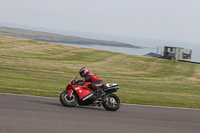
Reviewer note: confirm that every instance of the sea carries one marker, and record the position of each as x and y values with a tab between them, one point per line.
147	46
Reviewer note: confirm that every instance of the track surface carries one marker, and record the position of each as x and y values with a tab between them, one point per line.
22	114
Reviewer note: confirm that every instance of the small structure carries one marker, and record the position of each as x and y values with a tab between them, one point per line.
151	54
175	53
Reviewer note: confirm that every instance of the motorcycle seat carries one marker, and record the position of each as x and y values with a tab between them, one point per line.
111	85
107	86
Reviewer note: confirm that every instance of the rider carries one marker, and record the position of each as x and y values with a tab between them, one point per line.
91	77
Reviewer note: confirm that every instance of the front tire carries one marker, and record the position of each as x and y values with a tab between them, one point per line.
68	101
112	102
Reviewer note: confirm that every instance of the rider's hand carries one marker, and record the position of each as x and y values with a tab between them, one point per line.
79	81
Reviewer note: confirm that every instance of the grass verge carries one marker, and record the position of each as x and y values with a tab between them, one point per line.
43	69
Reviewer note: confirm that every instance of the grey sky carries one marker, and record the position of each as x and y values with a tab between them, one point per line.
159	19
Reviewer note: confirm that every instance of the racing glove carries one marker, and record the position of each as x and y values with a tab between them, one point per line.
79	81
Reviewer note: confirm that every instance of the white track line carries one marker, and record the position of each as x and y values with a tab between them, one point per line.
27	95
160	106
122	103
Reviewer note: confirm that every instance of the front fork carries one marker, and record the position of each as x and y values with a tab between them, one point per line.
70	92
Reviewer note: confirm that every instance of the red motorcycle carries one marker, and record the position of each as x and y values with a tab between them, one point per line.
76	93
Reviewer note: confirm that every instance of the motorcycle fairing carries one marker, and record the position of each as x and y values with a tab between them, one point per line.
82	91
85	83
88	99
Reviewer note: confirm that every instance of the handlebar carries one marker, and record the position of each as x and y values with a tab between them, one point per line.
74	82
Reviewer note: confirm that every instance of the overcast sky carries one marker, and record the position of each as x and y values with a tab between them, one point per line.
177	20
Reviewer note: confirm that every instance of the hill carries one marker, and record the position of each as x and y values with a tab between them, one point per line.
43	69
51	37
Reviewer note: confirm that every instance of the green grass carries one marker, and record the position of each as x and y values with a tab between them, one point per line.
43	69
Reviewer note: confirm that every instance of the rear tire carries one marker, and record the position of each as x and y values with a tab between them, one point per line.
68	101
112	102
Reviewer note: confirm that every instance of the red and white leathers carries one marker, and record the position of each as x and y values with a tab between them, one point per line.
90	77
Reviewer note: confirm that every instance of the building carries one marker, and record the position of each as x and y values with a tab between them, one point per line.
175	53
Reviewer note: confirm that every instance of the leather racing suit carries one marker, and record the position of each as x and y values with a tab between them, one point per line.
96	82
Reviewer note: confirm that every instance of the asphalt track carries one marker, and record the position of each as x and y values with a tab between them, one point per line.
23	114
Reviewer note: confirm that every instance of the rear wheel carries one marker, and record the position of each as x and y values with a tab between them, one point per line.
69	101
112	102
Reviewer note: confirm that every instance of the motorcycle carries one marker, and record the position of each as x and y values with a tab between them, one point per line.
79	93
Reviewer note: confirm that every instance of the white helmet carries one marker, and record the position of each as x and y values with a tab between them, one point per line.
83	71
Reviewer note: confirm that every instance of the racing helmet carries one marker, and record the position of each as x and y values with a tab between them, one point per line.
83	71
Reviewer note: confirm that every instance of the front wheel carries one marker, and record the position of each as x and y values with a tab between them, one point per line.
112	102
69	101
